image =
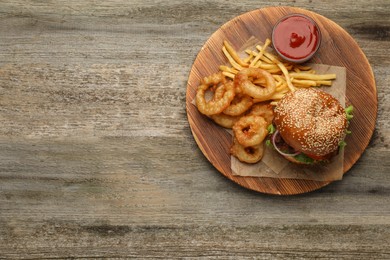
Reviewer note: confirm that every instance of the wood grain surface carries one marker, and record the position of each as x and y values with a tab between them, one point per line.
338	48
97	158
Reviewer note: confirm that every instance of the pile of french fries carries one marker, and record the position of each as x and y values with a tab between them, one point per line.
288	76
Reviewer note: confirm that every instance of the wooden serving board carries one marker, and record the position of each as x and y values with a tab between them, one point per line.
338	48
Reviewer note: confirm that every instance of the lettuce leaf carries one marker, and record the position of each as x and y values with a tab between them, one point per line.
349	112
304	158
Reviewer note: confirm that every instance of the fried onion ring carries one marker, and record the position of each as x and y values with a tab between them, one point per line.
250	130
250	154
239	105
244	81
216	105
225	120
264	110
219	91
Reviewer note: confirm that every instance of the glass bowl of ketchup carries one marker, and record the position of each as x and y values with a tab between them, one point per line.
296	38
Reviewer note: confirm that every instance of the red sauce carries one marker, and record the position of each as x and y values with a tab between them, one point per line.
296	37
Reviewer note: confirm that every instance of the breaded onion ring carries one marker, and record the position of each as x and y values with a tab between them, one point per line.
214	106
225	120
250	130
240	104
219	91
264	110
250	154
244	81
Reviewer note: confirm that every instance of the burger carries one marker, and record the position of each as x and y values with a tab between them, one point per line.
309	126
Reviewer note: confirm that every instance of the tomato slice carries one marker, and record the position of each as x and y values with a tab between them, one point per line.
323	157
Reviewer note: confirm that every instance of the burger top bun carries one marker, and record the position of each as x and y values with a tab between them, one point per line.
311	121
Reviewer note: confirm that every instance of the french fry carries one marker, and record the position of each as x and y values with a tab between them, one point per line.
261	53
274	71
234	54
279	78
254	53
249	58
323	83
285	72
266	59
228	69
304	82
231	60
281	86
250	52
268	55
266	66
312	76
229	74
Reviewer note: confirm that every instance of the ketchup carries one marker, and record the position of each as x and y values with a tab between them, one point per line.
296	37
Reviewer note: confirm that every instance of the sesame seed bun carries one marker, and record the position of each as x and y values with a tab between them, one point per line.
311	121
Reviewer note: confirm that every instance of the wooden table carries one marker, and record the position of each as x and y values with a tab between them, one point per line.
97	158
